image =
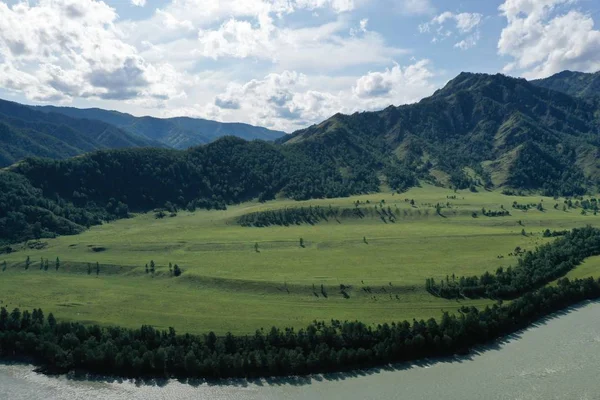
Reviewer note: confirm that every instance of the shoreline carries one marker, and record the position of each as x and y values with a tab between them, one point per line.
302	380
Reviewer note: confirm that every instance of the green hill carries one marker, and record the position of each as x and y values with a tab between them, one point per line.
578	84
178	133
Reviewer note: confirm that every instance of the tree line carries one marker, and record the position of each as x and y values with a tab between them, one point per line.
534	269
60	347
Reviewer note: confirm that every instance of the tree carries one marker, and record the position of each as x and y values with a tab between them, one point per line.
46	264
301	242
97	268
176	270
57	263
147	269
152	266
51	321
171	269
523	232
41	263
27	262
4	266
256	247
89	269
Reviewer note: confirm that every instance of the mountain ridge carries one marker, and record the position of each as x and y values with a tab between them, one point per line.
25	132
176	132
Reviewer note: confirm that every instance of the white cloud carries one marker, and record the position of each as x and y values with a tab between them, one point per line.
291	100
463	24
397	85
62	49
139	3
543	38
316	48
230	60
414	7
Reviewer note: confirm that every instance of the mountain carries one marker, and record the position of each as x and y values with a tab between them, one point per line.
178	133
483	129
578	84
478	132
28	133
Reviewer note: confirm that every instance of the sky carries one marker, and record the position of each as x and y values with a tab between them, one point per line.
282	64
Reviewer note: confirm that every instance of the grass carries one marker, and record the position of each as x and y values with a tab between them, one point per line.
228	286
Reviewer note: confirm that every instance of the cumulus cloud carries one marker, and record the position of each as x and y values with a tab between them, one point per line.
291	100
279	100
61	49
465	25
139	3
398	85
544	37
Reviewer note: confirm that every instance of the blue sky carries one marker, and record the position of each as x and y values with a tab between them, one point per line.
283	64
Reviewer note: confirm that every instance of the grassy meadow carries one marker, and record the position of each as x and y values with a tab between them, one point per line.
240	279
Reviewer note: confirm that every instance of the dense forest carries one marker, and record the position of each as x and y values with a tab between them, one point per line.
534	269
44	198
321	347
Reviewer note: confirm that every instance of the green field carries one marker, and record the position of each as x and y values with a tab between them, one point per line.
229	286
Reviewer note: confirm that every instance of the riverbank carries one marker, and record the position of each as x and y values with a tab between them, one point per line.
557	358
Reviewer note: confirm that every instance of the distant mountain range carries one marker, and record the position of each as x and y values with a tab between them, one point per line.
25	132
178	133
62	132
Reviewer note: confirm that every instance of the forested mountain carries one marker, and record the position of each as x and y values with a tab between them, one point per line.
578	84
25	133
178	133
494	130
478	131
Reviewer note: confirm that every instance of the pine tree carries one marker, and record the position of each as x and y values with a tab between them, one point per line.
89	269
97	268
147	270
4	266
301	242
152	266
46	265
57	263
27	262
171	269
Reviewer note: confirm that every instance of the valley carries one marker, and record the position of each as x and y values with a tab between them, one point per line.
238	279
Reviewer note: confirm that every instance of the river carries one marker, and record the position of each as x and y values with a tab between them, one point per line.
559	358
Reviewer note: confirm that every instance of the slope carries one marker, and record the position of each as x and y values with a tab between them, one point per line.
478	127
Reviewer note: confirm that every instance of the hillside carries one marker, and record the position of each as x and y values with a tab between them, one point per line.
578	84
178	133
28	133
477	130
